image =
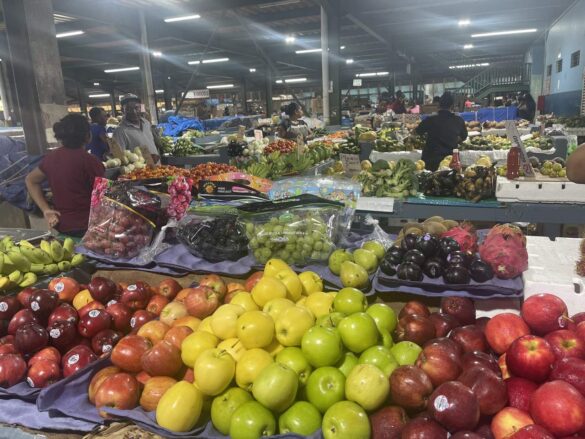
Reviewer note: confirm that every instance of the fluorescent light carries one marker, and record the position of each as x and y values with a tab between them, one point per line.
122	69
282	3
157	53
342	48
96	84
369	75
70	34
191	63
307	51
99	95
464	22
221	86
279	81
468	46
505	32
183	18
470	66
209	61
252	70
290	39
293	80
159	91
349	61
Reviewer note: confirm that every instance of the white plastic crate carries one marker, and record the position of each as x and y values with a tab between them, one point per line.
552	270
539	191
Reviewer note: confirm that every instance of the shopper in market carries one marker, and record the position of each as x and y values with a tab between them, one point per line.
398	106
70	172
444	132
576	165
135	130
527	107
291	126
98	144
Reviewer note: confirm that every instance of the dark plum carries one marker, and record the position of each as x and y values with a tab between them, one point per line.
387	267
414	256
433	268
456	274
448	245
428	245
409	241
409	271
394	255
481	271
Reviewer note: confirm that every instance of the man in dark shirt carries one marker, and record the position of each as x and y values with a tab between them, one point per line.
98	144
444	132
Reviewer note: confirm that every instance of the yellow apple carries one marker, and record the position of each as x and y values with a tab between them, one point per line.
234	347
205	325
266	289
274	348
273	266
250	365
255	329
196	343
311	281
244	299
223	322
294	287
276	306
320	303
81	299
292	324
214	370
302	302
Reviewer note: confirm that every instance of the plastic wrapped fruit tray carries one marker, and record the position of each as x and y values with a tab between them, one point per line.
493	288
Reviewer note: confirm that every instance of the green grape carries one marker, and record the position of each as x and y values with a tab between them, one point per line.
258	254
307	247
297	255
317	236
318	246
284	254
266	253
254	243
268	228
277	230
273	220
324	256
305	254
327	246
249	228
290	246
308	240
315	255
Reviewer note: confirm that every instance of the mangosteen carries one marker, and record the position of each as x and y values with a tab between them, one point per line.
414	256
456	274
395	255
459	258
427	244
433	268
448	245
409	271
387	267
409	241
481	271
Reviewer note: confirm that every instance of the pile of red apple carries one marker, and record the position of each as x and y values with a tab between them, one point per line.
49	334
520	377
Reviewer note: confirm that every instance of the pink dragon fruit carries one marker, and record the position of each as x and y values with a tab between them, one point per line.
465	236
508	230
504	249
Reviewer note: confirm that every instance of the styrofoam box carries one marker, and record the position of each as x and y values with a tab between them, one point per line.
539	191
552	270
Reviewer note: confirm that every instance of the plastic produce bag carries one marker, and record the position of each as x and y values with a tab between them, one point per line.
297	230
335	189
122	219
378	234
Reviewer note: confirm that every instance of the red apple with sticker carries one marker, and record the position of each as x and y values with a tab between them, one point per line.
93	322
63	313
9	305
63	335
140	318
84	310
565	343
12	370
43	373
24	296
65	287
42	303
136	295
30	338
454	406
76	359
102	289
19	319
104	341
545	313
121	316
169	288
489	389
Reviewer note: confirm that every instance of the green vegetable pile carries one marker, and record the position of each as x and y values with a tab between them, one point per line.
384	180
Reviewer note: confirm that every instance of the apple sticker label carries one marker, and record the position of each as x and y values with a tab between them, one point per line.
111	302
93	313
133	322
131	287
73	359
55	333
59	287
30	382
3	306
106	348
441	403
34	305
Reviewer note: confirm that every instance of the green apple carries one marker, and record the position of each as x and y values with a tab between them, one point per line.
358	332
301	418
375	247
406	352
347	363
252	420
337	258
322	346
214	370
350	301
224	406
353	275
293	357
384	316
276	387
330	320
325	387
291	325
366	259
368	386
380	357
346	420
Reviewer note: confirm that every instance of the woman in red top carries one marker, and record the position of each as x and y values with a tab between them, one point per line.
70	172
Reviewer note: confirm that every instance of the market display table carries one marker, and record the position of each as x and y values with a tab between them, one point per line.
189	161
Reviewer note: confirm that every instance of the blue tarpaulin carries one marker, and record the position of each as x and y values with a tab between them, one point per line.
179	124
15	164
491	114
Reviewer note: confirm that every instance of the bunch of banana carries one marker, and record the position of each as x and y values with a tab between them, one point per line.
21	263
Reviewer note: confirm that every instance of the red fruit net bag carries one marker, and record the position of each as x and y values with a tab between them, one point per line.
122	219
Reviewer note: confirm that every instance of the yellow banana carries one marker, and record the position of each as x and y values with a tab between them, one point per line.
42	256
20	262
45	246
8	265
37	268
77	259
68	248
4	283
25	243
29	253
16	277
56	251
28	280
51	269
64	266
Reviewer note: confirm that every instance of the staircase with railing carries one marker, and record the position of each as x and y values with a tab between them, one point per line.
497	78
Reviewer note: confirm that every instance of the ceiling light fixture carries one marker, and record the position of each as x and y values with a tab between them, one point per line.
290	39
342	48
468	46
282	3
96	84
73	33
192	63
220	86
214	60
159	91
506	32
99	95
293	80
122	69
349	61
252	70
279	81
369	75
299	52
470	66
183	18
157	54
465	22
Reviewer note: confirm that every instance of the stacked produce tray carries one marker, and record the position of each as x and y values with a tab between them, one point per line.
547	190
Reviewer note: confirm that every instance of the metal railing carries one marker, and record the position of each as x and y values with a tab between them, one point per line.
496	76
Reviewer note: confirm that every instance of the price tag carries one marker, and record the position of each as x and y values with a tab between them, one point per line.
115	149
147	156
351	163
258	135
265	121
374	204
514	137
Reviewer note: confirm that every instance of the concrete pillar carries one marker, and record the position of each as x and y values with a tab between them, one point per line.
82	100
244	97
7	79
268	92
325	64
36	68
113	102
148	95
336	60
5	103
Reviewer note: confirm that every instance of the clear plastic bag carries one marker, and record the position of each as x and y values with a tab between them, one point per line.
122	219
297	230
378	234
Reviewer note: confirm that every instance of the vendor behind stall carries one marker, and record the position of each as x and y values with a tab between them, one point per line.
576	165
98	144
70	172
444	133
135	130
291	125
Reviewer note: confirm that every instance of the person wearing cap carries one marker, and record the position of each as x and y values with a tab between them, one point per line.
444	132
135	130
